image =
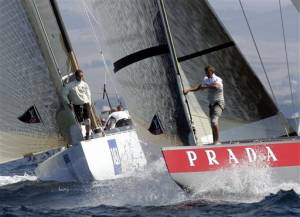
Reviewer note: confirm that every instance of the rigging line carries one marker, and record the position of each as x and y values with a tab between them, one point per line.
109	77
91	25
94	33
88	14
256	47
282	119
48	42
286	56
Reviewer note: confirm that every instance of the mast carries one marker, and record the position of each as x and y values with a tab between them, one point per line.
72	56
66	40
186	108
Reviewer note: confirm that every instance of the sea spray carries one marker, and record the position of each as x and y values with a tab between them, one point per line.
245	182
7	180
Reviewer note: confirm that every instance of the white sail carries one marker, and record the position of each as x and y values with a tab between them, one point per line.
24	82
30	80
56	53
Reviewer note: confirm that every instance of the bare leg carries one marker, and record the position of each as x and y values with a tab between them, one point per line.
87	128
215	131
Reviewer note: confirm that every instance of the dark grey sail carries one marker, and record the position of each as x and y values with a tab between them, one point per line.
133	39
296	4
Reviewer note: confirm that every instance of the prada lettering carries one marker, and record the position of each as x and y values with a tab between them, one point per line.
213	157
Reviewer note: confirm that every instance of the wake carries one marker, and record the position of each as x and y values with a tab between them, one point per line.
8	180
150	186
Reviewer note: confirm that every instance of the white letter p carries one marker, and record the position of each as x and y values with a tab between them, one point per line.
192	157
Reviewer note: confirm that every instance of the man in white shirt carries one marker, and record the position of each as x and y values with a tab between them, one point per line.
214	85
118	118
77	93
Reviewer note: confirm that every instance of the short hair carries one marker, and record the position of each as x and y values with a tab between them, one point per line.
78	71
209	67
120	107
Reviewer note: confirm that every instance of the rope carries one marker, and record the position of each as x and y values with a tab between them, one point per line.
256	47
283	120
286	56
89	15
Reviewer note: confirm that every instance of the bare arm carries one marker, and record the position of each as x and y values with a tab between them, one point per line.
192	89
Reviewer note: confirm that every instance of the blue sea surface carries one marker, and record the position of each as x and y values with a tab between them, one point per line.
148	193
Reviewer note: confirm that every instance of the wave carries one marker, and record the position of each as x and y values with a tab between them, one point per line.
284	203
150	187
244	183
8	180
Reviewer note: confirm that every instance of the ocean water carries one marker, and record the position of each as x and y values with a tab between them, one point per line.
150	192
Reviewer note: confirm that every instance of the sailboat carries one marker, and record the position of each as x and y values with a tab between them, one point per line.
258	144
157	51
37	61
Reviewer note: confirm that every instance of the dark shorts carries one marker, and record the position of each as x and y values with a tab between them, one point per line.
215	112
82	112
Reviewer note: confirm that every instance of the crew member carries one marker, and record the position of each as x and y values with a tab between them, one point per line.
214	85
78	97
118	118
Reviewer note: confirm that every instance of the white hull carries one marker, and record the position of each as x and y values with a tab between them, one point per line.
271	162
110	157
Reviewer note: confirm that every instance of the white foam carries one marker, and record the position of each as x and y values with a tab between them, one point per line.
153	186
149	187
7	180
244	183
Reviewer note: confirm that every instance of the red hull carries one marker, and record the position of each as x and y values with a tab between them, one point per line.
187	165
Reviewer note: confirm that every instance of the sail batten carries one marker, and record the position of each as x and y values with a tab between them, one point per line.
206	51
140	55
